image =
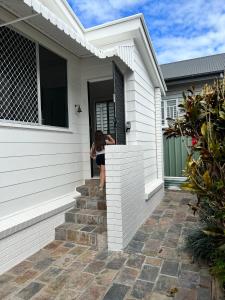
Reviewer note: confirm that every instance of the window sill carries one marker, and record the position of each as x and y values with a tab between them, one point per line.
34	127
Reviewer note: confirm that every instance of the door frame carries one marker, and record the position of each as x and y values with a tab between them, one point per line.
89	81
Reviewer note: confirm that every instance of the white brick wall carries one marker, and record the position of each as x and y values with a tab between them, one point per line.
17	247
127	208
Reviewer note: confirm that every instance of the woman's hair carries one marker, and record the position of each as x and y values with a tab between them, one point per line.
99	140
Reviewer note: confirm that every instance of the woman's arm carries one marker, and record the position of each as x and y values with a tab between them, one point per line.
93	152
110	140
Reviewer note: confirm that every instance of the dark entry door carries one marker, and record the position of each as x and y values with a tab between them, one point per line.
119	105
104	120
102	112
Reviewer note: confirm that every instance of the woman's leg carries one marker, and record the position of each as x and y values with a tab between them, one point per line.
102	176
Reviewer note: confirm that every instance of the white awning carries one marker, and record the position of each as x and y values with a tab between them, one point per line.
52	26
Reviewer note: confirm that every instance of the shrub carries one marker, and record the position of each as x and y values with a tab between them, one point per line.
203	120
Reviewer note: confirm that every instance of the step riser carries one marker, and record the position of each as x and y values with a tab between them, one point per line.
91	191
97	239
91	204
85	219
83	238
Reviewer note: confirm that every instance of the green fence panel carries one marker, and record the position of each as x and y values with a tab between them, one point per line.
175	154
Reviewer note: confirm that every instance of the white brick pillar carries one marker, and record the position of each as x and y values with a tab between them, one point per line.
159	138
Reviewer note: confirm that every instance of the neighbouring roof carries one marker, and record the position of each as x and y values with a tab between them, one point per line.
194	67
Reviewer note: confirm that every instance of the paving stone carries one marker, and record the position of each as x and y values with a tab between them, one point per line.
135	261
7	290
170	268
78	266
87	256
21	268
142	289
106	277
67	294
158	296
149	273
127	276
69	245
59	252
93	292
140	236
204	293
95	267
53	245
48	275
103	255
154	261
43	264
165	283
78	250
191	219
117	291
186	294
38	256
151	221
28	275
170	242
158	235
58	283
42	295
134	247
165	221
64	261
116	263
205	281
30	290
168	253
189	279
6	278
151	247
147	228
175	228
79	281
189	267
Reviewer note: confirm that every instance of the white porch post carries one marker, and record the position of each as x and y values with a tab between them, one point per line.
159	138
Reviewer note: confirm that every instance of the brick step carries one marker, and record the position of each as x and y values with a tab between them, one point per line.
91	190
90	203
89	235
86	216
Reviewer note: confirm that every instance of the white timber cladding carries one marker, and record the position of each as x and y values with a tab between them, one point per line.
125	194
38	163
142	106
17	247
159	136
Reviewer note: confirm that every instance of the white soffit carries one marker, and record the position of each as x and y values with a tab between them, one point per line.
52	26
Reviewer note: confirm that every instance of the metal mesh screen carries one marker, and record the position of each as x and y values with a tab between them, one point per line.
18	77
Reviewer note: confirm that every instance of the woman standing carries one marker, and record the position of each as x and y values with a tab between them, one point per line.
98	153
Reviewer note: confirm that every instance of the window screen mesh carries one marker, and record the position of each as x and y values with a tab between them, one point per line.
18	77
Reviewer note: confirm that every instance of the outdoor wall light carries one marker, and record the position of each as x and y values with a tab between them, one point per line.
78	108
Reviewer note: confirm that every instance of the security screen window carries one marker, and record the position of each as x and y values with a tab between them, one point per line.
53	84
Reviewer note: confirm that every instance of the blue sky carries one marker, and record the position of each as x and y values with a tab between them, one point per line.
179	29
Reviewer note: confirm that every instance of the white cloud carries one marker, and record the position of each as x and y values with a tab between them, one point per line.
102	11
191	29
180	29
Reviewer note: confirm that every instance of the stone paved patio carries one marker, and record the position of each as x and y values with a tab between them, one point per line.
153	266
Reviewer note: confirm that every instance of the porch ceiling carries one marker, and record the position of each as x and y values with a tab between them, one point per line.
50	25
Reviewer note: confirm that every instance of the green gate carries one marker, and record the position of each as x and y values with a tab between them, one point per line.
175	154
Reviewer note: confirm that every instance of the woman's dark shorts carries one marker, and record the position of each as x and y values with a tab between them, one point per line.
100	159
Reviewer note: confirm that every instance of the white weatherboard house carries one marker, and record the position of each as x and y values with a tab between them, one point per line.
58	83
